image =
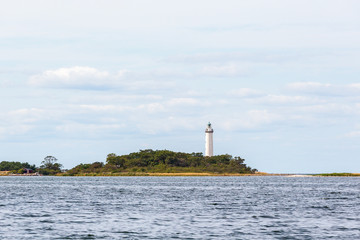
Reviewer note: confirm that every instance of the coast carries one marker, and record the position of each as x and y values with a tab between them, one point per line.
186	174
208	174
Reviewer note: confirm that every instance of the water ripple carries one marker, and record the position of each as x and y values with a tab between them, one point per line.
179	208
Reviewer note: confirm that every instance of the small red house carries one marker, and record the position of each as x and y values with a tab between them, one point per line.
28	170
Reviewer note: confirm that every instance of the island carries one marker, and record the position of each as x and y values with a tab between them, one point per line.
161	163
150	162
146	162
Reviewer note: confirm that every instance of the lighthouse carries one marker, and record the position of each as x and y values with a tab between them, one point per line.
209	148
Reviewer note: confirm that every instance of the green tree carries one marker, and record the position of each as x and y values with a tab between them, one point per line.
15	166
117	161
50	166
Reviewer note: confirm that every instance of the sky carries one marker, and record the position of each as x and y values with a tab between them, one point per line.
278	80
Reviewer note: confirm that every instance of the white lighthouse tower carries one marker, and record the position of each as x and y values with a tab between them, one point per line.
209	148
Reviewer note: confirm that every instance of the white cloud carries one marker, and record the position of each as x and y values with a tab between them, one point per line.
115	109
321	89
285	100
331	110
259	117
5	83
21	121
82	77
87	129
75	77
28	115
147	84
15	129
246	92
168	124
152	107
183	101
228	70
110	97
257	57
353	134
104	108
251	119
308	86
145	106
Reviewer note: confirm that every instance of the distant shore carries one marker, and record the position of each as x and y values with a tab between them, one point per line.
189	174
337	175
199	174
159	174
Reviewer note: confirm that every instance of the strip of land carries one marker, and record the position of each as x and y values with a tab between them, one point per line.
185	174
337	175
174	174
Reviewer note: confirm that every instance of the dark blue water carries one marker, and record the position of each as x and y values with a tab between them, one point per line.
179	207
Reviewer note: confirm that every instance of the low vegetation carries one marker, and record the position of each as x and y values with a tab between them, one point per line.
338	175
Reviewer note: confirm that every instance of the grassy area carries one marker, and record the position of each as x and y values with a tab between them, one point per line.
4	173
338	175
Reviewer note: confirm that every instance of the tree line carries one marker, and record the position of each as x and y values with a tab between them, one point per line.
165	161
151	161
49	166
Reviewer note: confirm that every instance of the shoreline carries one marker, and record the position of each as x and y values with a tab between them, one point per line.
195	174
185	174
150	174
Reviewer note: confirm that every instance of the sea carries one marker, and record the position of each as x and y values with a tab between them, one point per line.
251	207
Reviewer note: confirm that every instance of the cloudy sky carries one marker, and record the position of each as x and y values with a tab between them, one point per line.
279	80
